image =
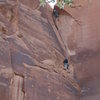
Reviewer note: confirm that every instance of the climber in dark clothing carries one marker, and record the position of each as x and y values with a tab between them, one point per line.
66	65
55	13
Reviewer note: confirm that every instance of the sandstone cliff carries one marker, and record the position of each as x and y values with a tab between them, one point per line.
33	46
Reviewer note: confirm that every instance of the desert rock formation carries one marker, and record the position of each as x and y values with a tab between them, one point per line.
33	46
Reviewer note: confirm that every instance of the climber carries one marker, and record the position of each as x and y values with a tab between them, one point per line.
66	65
55	13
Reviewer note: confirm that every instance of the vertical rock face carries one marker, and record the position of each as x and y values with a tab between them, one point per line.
17	88
33	46
32	54
79	28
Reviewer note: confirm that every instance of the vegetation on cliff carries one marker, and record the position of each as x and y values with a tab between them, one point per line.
60	3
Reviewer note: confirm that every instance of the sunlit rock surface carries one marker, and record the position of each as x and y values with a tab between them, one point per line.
33	46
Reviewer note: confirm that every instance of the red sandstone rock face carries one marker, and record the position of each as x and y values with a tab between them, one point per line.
31	55
32	51
80	33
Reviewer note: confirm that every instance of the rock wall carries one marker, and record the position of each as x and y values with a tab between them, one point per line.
33	45
79	28
32	54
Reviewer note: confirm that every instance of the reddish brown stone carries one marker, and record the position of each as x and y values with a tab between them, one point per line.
33	46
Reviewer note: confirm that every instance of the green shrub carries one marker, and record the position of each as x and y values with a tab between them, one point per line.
60	3
42	3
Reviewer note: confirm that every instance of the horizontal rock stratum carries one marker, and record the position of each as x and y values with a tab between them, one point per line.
33	46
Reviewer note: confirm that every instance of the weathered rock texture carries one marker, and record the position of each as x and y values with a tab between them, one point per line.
33	46
81	34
